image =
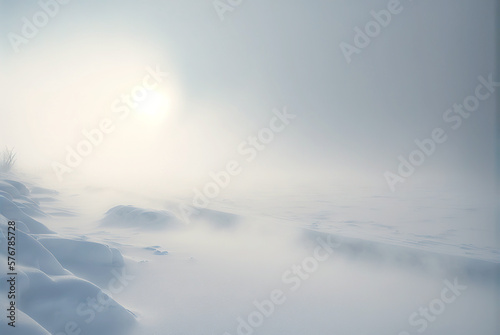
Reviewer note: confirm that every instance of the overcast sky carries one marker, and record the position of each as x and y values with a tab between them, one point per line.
353	119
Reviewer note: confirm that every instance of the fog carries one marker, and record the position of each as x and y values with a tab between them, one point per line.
204	154
226	77
219	277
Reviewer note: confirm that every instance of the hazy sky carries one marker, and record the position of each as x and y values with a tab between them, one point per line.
226	77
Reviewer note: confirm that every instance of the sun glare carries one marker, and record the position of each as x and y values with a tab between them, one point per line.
155	105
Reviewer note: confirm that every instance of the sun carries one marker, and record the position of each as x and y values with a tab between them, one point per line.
155	106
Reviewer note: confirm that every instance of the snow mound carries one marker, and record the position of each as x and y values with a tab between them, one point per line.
74	304
32	254
10	210
10	189
29	206
20	187
6	195
50	299
69	251
24	325
135	217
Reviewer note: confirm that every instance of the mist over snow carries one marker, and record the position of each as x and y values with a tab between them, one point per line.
249	167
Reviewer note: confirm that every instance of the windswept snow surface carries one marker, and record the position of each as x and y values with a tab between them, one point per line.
92	263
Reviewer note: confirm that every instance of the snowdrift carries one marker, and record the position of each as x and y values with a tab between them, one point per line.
151	219
134	217
50	299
